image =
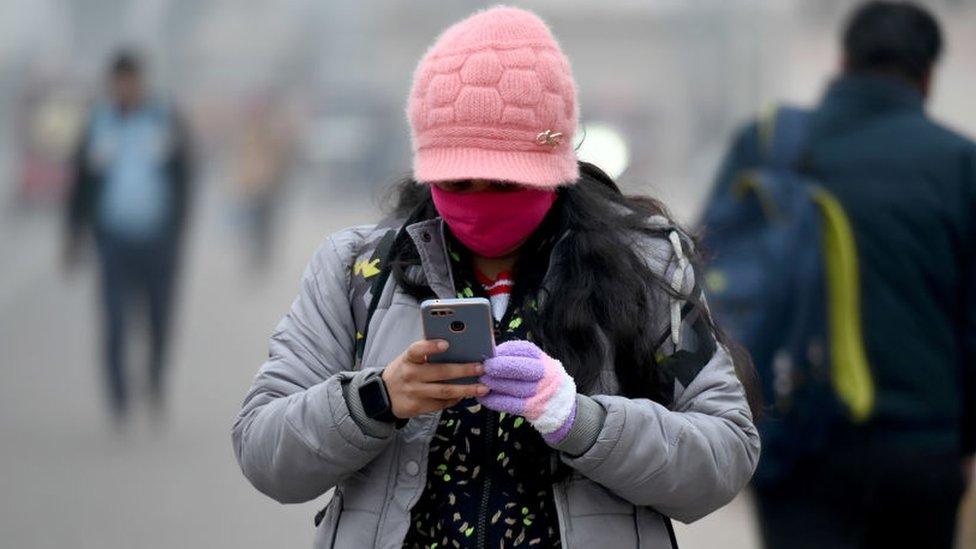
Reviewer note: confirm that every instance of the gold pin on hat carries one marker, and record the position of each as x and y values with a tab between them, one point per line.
549	137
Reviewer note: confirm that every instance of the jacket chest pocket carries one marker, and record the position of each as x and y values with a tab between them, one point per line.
392	330
351	518
654	530
585	497
597	518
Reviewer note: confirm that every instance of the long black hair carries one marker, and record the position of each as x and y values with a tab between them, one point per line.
598	290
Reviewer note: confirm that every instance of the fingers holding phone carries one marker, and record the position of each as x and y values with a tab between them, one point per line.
417	386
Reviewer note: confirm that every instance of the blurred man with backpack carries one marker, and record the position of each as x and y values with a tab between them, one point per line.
891	469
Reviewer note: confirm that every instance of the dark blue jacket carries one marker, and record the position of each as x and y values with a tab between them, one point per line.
908	185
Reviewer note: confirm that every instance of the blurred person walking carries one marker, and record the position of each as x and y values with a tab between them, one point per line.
262	162
611	403
908	187
131	194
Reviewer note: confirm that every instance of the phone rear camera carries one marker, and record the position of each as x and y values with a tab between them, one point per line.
457	326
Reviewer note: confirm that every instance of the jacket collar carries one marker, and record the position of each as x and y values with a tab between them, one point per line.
428	237
852	98
431	242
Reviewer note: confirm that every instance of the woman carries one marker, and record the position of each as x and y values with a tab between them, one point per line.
611	402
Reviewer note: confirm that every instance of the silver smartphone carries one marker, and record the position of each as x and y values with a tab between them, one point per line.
465	323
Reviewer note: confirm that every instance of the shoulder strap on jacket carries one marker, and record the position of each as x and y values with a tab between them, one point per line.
850	371
782	135
688	344
368	280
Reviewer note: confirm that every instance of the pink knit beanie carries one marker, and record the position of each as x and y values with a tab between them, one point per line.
494	98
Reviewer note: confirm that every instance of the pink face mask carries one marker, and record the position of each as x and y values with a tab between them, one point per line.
492	223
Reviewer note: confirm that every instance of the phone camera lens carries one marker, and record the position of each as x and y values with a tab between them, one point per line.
457	326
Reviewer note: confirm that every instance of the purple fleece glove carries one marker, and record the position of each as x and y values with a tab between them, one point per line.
527	382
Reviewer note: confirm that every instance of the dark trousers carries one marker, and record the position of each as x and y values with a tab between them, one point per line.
865	497
260	230
137	277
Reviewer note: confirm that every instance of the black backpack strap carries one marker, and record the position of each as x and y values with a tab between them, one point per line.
698	347
369	279
670	526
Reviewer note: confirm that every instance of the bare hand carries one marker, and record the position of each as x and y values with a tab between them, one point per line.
414	384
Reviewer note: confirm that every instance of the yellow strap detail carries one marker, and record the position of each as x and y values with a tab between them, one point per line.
750	182
850	372
716	281
766	128
366	268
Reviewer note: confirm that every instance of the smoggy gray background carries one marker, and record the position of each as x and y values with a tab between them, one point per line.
674	77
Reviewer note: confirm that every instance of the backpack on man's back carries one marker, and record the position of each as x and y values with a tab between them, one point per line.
783	281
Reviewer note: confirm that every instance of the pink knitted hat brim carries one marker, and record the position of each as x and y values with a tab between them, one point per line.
524	167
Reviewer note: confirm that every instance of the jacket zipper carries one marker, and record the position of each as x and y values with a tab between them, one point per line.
482	526
447	257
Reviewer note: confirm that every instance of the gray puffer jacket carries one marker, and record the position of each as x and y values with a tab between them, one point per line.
301	430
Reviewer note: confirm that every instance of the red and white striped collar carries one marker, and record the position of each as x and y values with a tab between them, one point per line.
499	291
